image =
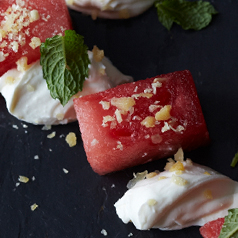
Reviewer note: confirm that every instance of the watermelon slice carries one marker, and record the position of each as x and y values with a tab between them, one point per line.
25	24
137	122
212	229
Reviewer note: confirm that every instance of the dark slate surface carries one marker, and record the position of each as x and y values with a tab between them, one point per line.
80	203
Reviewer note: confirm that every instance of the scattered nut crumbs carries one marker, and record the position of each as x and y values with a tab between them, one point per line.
46	127
34	206
35	42
70	2
36	157
23	179
65	170
51	135
97	54
15	126
71	139
14	28
22	64
104	232
151	202
208	194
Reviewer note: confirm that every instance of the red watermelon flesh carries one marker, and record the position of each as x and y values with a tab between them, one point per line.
20	23
212	229
117	137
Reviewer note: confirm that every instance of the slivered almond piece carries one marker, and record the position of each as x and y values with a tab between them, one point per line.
34	206
118	116
144	95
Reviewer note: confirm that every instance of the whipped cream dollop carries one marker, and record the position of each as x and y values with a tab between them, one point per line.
28	98
111	9
187	194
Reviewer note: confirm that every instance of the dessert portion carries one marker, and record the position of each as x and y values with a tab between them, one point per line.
112	9
137	122
185	194
28	98
24	26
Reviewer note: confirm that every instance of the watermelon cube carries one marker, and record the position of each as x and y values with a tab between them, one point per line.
24	24
137	122
212	229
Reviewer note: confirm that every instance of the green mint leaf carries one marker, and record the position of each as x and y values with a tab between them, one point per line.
230	226
235	160
64	61
190	15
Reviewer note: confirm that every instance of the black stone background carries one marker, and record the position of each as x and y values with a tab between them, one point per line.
80	203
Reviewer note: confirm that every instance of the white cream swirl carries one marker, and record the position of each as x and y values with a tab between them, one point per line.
174	200
111	9
28	98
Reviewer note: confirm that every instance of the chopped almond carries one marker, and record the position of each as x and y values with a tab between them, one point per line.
163	114
179	180
22	64
35	42
71	139
208	194
34	15
23	179
178	166
123	103
151	202
34	206
10	80
97	54
151	175
148	122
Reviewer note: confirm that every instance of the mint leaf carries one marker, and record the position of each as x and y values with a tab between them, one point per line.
230	226
64	61
235	160
190	15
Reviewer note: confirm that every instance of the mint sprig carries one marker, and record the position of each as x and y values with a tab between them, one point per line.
64	61
234	160
190	15
230	226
